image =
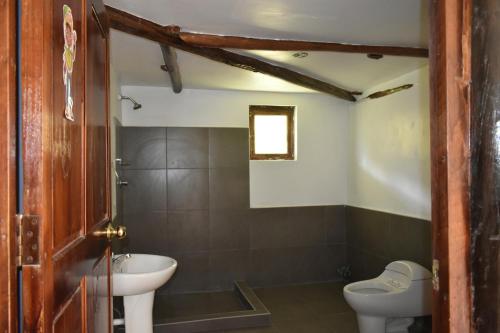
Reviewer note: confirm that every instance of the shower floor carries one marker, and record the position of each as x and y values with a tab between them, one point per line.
183	305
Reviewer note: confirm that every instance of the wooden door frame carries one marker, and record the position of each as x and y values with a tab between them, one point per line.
8	92
450	109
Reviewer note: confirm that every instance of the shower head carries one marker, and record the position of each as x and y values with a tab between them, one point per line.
136	106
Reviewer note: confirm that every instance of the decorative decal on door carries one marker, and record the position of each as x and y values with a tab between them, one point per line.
69	56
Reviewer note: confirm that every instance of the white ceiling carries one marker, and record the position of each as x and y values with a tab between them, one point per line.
383	22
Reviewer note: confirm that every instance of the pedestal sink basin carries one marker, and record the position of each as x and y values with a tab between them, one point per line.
136	277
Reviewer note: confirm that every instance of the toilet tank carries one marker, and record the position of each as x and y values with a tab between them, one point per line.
412	271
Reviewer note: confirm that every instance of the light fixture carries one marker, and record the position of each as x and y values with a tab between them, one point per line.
301	54
375	56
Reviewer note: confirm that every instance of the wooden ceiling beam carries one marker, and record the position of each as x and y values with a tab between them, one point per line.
172	67
249	43
140	27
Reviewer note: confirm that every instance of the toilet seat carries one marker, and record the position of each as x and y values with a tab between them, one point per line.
375	286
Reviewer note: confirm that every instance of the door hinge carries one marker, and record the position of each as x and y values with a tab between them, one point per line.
28	238
435	274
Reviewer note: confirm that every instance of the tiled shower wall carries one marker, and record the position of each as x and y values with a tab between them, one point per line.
188	198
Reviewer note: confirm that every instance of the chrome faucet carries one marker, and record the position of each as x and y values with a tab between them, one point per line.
120	257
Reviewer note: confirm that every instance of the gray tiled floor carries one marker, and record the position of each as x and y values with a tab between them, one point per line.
312	308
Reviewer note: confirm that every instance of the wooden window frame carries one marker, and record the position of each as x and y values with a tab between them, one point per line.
271	110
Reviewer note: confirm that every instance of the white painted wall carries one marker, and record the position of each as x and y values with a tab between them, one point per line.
373	154
319	174
317	177
389	164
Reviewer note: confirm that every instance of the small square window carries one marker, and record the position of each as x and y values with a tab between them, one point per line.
272	132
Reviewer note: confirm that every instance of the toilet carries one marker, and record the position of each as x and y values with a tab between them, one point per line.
389	302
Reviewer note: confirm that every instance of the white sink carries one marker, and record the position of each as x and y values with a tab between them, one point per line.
136	277
137	274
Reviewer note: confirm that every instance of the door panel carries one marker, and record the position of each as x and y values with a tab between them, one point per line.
69	319
67	135
98	194
65	147
75	263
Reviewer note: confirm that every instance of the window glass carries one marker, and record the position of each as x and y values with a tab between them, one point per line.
271	134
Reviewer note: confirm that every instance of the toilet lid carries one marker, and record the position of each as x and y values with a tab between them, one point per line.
409	269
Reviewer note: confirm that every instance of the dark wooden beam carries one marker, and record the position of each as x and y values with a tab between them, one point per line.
172	67
248	43
388	92
137	26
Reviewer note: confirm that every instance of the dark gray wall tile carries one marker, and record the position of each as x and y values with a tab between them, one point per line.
374	265
335	224
227	267
187	148
336	258
187	188
369	229
144	147
193	273
146	233
306	226
188	231
146	191
270	267
376	238
365	265
411	240
356	261
269	228
229	147
315	264
229	229
229	188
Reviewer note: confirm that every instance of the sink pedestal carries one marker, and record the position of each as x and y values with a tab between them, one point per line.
139	313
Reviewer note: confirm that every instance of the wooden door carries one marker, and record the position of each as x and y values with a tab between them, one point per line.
64	65
8	283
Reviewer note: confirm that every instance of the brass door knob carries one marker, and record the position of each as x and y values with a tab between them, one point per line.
110	232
